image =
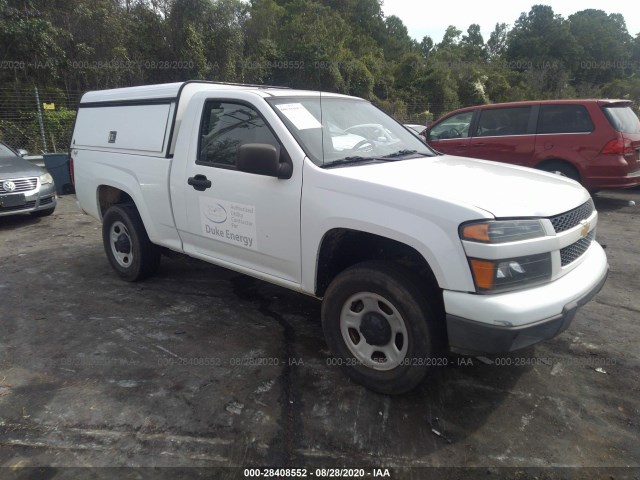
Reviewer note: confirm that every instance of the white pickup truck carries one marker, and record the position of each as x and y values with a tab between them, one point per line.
410	251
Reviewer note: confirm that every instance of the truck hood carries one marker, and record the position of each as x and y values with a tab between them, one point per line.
500	189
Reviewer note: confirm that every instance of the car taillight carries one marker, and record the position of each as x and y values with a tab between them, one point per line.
71	173
618	146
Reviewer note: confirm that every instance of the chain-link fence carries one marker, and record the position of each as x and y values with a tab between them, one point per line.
37	120
416	113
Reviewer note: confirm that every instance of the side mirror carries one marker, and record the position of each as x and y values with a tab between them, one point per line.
263	159
426	134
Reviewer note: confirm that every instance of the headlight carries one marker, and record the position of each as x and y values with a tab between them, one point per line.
502	231
492	276
46	179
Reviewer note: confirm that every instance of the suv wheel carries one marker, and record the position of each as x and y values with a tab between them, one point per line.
562	169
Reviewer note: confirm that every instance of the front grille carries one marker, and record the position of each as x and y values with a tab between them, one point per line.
26	206
22	185
576	250
570	219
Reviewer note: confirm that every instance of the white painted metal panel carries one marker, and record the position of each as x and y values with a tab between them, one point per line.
136	127
146	92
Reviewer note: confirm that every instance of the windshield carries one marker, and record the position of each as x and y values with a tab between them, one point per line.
346	130
6	151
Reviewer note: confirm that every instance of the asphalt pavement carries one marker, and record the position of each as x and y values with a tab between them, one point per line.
203	367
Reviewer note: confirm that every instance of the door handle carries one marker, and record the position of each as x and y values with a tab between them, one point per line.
199	182
479	144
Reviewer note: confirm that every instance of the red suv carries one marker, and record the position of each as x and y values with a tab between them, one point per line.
596	142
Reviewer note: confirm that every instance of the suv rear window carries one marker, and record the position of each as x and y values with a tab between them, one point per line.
622	118
564	119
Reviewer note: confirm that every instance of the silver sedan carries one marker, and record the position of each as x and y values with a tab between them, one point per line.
24	187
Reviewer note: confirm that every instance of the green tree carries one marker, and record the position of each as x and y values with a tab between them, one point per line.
146	22
321	35
473	47
397	40
426	46
451	37
542	43
187	37
605	46
262	49
224	38
29	40
497	43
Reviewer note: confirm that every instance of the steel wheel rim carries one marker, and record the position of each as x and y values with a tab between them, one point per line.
118	235
353	318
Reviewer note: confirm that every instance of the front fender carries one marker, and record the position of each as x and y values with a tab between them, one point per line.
436	239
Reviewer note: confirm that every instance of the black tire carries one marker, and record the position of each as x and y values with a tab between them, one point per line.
43	213
404	302
127	245
561	168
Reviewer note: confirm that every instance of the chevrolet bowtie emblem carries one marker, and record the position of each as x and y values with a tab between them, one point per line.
585	228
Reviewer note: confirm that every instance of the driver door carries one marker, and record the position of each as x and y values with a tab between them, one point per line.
247	221
451	135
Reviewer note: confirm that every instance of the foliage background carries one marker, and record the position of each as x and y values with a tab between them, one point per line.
67	47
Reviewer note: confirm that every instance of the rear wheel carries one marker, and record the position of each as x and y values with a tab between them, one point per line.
127	245
380	326
562	169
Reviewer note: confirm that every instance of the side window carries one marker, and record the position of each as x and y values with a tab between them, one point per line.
564	119
225	127
497	122
456	126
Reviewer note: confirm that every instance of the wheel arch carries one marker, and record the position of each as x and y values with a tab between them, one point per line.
549	162
108	195
341	248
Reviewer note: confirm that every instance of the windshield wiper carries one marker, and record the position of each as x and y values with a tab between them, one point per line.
402	153
385	158
351	161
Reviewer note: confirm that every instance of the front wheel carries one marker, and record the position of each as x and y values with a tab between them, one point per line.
380	327
127	245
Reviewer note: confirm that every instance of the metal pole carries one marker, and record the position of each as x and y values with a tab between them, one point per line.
44	140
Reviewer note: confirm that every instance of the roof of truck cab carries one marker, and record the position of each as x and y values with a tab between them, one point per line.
169	91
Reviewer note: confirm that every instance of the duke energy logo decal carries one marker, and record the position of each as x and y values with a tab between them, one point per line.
229	222
215	213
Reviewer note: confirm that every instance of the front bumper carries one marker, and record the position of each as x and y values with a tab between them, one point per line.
478	324
42	198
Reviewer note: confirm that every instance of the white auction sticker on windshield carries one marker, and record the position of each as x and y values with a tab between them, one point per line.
299	116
